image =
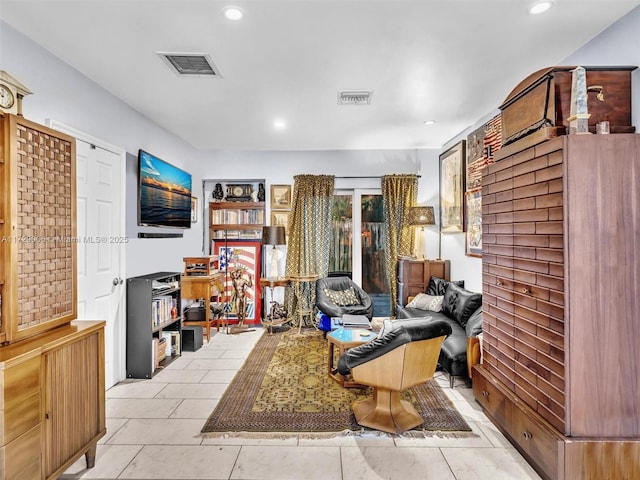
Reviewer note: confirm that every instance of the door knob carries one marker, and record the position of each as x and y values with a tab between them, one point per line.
117	281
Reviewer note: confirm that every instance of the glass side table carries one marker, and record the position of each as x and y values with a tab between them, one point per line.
338	342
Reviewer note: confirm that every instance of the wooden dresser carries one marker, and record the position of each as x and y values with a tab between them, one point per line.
52	386
561	371
414	275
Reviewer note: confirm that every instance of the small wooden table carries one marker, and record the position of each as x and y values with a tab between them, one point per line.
273	283
338	342
196	287
304	290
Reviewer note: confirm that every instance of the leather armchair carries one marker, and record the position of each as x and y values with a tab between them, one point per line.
361	304
404	354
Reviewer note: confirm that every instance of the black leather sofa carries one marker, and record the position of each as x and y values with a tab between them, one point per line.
462	310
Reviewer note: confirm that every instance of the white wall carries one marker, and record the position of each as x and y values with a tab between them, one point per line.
279	167
63	94
618	45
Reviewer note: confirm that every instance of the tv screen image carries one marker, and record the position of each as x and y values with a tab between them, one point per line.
164	193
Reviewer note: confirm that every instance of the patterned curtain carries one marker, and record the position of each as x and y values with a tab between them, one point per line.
309	227
399	192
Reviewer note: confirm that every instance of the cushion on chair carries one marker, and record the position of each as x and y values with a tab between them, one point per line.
423	301
460	304
437	286
336	296
343	297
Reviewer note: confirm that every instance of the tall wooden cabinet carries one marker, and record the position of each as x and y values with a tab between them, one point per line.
414	275
561	371
38	226
52	387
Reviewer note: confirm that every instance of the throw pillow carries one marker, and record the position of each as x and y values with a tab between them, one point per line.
423	301
437	286
343	298
459	304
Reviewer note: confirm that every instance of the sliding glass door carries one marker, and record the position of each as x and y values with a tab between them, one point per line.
357	243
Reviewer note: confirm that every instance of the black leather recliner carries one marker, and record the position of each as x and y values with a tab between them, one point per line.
360	304
404	354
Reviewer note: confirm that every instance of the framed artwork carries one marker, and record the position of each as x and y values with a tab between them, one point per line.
280	197
474	223
482	144
240	260
280	219
194	209
452	188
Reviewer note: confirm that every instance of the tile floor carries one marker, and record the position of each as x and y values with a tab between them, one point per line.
153	432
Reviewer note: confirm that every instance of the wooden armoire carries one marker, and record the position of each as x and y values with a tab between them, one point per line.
561	304
52	385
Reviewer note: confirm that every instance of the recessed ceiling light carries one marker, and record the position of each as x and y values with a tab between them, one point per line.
233	13
279	124
539	7
429	122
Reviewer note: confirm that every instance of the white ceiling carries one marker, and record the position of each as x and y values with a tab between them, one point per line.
453	61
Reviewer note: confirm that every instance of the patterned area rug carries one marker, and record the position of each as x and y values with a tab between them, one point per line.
284	387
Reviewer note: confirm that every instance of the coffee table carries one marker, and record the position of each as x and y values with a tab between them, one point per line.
338	342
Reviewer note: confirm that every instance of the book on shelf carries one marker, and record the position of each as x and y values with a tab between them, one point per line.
355	321
172	343
161	307
237	216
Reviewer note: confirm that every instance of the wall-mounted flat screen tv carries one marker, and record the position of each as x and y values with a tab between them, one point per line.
164	193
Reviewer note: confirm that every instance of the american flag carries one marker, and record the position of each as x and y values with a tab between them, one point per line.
239	257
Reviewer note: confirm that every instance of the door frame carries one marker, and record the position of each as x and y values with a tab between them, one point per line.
356	194
121	367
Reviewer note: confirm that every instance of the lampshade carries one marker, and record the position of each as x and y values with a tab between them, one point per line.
273	235
421	216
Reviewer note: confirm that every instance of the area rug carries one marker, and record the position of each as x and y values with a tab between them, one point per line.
283	387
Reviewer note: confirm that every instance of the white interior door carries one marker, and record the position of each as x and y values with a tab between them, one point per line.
101	244
101	248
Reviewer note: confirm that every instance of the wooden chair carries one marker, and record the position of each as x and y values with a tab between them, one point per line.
405	354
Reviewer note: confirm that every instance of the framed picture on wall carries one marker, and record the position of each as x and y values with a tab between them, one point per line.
240	260
452	164
280	197
482	144
194	209
474	223
280	219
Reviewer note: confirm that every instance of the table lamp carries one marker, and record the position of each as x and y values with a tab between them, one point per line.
419	217
273	235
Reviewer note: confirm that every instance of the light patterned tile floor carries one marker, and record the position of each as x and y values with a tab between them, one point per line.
153	432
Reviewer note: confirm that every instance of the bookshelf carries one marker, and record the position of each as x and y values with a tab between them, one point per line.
153	323
236	220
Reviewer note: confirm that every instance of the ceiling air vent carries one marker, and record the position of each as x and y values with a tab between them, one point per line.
354	97
191	63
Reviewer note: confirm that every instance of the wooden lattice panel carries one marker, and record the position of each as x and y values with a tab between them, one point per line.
45	231
523	278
